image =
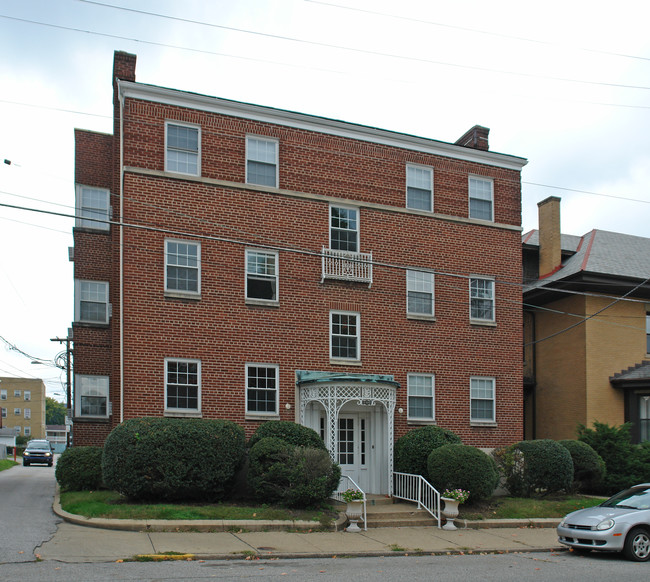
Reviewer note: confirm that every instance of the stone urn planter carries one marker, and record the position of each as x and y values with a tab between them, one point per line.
450	512
353	512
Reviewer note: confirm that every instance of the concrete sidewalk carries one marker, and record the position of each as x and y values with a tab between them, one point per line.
111	540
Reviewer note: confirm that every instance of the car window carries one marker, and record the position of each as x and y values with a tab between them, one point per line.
635	498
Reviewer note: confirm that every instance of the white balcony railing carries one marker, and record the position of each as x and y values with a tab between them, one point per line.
347	265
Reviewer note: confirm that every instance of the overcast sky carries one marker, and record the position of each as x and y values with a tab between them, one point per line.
565	84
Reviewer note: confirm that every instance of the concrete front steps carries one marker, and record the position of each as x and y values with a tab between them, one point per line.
382	511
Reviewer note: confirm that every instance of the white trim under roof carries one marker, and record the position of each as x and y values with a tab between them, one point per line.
307	122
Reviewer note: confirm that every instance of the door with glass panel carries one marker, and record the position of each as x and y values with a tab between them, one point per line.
353	448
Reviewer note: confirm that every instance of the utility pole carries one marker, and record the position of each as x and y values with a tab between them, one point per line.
68	387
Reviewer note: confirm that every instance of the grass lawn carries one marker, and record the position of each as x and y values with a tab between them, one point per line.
112	505
524	508
6	464
109	504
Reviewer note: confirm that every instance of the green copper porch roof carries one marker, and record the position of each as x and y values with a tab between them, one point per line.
309	377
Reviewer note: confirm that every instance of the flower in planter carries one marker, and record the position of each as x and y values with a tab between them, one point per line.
352	495
459	495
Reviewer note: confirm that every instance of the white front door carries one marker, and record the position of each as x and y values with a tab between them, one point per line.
353	447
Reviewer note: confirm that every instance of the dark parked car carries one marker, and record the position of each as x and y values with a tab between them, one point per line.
622	523
38	451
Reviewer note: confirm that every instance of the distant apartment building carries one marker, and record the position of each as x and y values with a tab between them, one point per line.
22	401
243	262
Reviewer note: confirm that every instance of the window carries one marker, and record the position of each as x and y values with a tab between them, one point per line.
91	396
16	393
480	198
3	395
647	332
261	275
419	291
421	401
91	301
28	413
93	207
182	385
28	395
345	335
4	413
262	389
16	411
419	188
262	161
182	267
481	296
182	149
344	229
481	395
28	431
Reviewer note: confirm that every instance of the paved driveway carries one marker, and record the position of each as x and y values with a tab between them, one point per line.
26	516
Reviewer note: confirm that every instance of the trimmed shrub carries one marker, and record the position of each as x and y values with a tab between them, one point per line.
173	459
292	476
463	467
290	432
588	465
536	467
80	469
413	449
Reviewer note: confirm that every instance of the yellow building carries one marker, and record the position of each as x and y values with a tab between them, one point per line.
23	406
586	329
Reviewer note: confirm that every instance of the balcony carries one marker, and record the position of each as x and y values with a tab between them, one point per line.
347	266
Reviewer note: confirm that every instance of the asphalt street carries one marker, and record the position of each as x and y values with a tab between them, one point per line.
26	516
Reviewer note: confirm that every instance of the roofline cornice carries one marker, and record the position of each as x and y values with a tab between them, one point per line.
307	122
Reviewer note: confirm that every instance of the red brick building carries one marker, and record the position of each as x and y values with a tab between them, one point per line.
249	263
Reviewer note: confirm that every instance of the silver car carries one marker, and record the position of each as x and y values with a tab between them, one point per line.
622	523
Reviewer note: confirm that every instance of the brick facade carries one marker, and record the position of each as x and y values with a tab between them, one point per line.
320	163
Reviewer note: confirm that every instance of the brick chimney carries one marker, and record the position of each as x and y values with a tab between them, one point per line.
550	247
123	66
476	138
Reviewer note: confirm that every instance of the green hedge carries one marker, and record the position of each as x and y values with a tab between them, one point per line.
588	465
413	449
173	459
463	467
290	432
80	469
535	467
293	476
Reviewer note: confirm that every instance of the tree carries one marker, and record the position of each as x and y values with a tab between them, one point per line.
54	411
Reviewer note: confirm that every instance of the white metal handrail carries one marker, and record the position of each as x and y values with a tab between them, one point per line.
416	488
348	483
347	265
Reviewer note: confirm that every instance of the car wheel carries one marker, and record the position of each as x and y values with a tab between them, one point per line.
637	545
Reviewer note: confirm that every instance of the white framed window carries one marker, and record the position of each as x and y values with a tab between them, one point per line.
482	400
261	161
182	267
28	431
17	393
182	148
182	385
481	203
481	300
93	207
27	413
91	301
419	293
4	413
345	335
261	276
3	395
16	411
91	396
262	389
28	395
344	228
419	188
647	332
421	397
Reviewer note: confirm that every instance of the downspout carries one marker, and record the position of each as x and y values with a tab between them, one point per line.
121	97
